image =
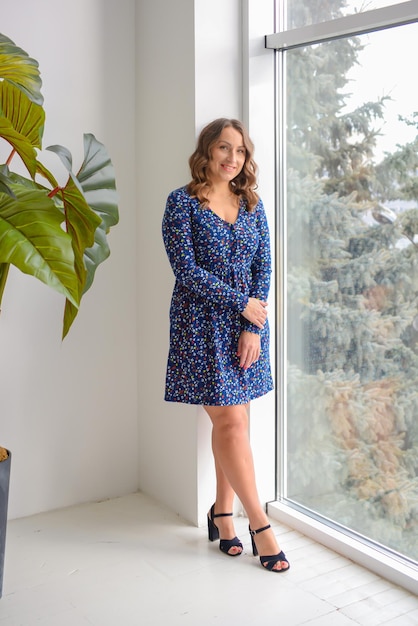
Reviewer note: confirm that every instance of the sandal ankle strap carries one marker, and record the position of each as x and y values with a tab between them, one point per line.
260	530
213	514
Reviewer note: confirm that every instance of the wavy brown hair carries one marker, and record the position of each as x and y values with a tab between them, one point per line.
243	185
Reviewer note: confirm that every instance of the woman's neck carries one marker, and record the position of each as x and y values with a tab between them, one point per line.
220	191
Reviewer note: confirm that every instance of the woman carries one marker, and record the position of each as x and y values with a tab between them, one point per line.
217	240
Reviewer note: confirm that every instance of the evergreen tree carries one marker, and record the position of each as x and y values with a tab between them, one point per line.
352	304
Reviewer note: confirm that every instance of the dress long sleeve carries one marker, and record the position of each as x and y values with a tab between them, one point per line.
178	241
260	266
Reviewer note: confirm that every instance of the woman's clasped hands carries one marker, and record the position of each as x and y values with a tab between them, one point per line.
256	312
249	343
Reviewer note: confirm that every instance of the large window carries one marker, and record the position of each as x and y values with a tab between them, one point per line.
348	154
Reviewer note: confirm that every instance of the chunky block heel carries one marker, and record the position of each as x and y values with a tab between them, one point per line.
213	534
268	562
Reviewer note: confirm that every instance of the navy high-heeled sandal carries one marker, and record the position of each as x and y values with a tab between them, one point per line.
213	534
268	562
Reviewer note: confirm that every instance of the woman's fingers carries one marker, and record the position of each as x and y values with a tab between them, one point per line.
248	349
256	312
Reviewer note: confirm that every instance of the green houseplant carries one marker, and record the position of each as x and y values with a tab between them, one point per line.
58	234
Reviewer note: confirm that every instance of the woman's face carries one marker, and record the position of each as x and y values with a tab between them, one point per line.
227	156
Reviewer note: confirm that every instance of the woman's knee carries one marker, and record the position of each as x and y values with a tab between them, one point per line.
232	421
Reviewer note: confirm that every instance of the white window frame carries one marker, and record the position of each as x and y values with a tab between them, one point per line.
366	553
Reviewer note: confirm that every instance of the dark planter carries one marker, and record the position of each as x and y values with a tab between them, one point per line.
4	500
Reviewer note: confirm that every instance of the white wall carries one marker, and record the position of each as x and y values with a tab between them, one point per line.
259	113
86	419
191	74
165	135
68	411
190	70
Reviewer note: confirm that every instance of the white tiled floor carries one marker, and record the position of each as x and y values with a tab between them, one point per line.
130	562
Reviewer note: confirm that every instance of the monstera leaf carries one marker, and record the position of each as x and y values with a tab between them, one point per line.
97	179
21	124
17	67
90	208
31	238
56	234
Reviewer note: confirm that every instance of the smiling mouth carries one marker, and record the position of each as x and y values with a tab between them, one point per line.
228	168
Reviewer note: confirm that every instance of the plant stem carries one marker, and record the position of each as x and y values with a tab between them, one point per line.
54	192
4	270
11	155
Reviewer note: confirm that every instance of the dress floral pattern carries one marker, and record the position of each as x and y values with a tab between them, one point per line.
217	267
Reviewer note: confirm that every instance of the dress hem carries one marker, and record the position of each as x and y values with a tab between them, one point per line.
201	403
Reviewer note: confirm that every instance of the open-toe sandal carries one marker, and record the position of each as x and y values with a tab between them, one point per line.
268	562
213	534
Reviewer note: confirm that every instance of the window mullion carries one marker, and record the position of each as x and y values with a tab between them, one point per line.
281	273
357	24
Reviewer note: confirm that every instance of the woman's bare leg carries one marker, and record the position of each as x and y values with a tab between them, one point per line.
233	456
224	504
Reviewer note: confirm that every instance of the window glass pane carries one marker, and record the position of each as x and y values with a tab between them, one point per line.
306	12
352	284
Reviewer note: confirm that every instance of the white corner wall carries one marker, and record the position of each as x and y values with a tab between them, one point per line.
165	135
190	70
85	419
68	411
259	114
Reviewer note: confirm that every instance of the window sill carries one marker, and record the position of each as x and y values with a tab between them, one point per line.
386	566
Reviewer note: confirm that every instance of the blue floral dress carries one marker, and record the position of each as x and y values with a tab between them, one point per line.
217	266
